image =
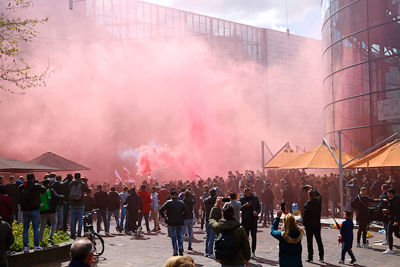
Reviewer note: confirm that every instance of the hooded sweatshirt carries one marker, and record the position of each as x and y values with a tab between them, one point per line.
239	236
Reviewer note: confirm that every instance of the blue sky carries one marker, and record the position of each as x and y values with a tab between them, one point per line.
304	15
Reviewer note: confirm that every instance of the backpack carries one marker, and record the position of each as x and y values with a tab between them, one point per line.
224	246
76	192
45	201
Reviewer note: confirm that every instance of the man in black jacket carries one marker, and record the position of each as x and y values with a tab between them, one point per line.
30	204
267	197
6	240
57	186
176	212
394	218
48	213
65	192
77	189
188	200
114	203
101	203
134	204
12	192
312	222
208	204
250	210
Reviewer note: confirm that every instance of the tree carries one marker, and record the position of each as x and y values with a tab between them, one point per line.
15	74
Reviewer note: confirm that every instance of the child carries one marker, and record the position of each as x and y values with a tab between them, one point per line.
346	233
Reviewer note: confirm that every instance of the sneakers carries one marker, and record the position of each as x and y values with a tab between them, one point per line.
352	261
366	246
51	241
358	245
206	255
38	248
26	249
309	260
253	255
180	253
321	259
388	251
190	248
211	256
341	262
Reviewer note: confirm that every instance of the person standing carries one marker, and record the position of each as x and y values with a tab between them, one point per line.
394	218
88	201
240	252
346	233
250	210
133	204
114	203
188	200
57	186
77	188
289	240
267	197
6	240
312	222
6	205
154	209
144	212
176	212
235	204
209	203
12	192
123	196
101	203
383	204
48	210
30	204
66	204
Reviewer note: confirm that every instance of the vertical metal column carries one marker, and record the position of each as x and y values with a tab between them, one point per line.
340	172
262	158
70	5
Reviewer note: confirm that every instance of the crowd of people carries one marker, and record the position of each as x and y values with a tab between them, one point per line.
228	210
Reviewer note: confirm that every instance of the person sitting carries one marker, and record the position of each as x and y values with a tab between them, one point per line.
289	240
81	253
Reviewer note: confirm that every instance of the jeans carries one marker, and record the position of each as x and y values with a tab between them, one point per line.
210	236
251	228
116	216
154	215
314	230
176	234
189	228
102	216
392	230
362	227
43	222
59	216
65	216
347	248
146	219
76	215
268	213
123	217
28	216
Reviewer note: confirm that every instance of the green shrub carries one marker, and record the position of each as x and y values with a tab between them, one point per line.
58	237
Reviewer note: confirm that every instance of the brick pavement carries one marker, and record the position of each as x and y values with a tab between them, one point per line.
154	249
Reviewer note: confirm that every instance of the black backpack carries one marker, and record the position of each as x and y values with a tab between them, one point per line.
224	247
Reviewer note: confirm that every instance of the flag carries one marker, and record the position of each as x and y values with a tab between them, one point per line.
128	175
117	177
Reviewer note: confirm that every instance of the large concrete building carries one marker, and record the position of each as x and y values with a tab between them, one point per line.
361	57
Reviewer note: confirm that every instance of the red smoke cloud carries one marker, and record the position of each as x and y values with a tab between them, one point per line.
170	108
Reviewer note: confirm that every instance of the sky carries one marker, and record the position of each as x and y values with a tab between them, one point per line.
304	16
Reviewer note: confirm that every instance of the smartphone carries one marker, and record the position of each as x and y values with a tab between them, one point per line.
283	206
226	199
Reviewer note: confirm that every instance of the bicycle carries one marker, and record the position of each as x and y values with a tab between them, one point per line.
93	236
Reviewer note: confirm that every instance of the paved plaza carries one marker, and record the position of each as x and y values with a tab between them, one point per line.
154	249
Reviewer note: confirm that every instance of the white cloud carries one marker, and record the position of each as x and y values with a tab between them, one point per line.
261	13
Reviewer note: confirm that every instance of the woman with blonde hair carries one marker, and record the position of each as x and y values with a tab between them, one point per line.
180	261
289	241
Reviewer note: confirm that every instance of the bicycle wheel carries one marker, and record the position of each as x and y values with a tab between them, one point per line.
98	244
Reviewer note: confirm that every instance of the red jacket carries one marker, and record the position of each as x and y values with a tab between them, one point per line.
145	197
5	206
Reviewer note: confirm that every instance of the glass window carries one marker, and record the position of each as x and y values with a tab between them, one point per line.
220	28
350	51
350	82
215	26
351	19
352	112
189	21
385	74
383	11
385	40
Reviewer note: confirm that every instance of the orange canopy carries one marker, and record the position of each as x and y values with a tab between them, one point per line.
386	156
318	158
285	155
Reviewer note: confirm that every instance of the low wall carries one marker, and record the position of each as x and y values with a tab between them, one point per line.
56	253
